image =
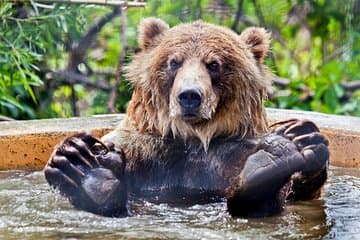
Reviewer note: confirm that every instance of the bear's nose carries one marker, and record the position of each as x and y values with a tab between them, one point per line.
190	99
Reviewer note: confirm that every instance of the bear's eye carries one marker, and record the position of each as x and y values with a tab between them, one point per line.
213	66
174	64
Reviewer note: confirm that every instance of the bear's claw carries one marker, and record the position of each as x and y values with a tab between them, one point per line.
313	146
294	127
310	139
310	142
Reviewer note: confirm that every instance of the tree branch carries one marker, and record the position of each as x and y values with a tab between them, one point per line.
90	35
198	10
238	15
119	69
352	85
97	2
259	13
77	53
72	78
279	81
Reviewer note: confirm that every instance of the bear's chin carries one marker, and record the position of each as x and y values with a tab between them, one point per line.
193	119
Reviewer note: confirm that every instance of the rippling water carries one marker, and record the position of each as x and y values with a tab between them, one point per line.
30	210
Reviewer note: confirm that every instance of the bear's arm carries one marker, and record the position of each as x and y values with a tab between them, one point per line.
290	163
90	174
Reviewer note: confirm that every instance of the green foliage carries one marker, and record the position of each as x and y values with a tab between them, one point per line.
26	44
19	49
319	52
316	45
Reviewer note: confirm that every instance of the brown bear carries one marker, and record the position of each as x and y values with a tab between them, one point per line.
195	131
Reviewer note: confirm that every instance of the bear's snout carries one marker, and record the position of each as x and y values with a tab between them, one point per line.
190	101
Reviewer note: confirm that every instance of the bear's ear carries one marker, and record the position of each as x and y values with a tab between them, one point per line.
149	30
258	41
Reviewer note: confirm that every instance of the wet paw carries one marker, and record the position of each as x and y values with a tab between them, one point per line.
89	173
310	142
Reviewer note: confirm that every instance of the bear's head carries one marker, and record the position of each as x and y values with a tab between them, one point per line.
198	80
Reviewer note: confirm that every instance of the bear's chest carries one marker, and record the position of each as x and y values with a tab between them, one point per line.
184	169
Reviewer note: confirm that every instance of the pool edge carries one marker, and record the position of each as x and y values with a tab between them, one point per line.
28	144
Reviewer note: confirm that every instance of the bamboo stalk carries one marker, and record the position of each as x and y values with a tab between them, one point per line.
97	2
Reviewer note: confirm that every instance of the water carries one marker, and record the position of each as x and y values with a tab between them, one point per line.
30	210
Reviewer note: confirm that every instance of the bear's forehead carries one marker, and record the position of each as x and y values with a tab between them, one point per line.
199	39
201	32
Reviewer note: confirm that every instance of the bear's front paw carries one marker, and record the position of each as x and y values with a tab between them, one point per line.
262	186
289	163
313	146
89	173
310	142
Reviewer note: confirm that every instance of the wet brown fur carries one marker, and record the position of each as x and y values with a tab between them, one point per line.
240	89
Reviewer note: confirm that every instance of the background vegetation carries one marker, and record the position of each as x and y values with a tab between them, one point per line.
62	60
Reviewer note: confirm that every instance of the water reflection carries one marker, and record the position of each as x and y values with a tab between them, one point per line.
29	210
343	204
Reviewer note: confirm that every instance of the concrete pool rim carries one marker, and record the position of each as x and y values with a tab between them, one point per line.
27	145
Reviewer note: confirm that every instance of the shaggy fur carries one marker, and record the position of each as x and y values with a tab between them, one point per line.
233	102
